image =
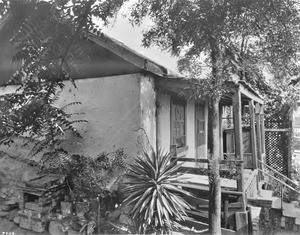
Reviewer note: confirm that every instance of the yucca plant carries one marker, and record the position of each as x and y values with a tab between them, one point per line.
157	202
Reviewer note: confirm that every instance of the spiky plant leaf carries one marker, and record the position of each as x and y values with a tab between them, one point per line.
157	202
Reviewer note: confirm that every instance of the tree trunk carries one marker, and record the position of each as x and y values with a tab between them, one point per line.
214	173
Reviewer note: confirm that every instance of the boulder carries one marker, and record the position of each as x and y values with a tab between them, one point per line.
56	228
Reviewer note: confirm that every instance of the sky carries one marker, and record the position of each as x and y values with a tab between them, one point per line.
121	30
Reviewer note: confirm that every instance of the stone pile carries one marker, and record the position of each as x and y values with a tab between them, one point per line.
12	172
8	202
40	197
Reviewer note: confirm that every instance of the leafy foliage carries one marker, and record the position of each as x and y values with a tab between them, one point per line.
222	40
127	228
226	38
91	176
234	40
158	203
49	37
87	177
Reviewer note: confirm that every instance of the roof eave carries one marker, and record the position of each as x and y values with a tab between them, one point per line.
129	55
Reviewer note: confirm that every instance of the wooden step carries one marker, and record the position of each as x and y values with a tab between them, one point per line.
259	202
265	193
231	206
205	188
199	215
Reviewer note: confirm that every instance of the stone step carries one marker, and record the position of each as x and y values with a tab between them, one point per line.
297	221
255	211
267	194
291	210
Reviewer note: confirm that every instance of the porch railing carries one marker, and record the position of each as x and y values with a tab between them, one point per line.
275	172
251	186
248	159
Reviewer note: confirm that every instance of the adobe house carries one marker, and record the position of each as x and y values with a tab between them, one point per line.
124	94
133	103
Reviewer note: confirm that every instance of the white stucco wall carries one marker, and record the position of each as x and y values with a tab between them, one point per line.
190	128
111	105
121	112
148	111
163	122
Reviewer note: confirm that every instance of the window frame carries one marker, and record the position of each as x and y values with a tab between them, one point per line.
179	102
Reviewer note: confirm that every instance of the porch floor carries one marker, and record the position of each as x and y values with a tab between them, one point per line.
229	184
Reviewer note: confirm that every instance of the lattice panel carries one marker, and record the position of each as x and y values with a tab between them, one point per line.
277	150
277	122
277	140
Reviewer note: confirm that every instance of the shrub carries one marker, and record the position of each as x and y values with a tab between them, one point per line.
157	202
88	178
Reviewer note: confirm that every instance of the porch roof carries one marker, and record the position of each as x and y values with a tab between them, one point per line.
179	86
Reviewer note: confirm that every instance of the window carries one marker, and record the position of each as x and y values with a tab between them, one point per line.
178	123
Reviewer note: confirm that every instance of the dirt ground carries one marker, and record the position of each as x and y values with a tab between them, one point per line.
282	232
10	228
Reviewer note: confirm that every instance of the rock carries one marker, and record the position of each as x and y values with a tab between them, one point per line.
296	203
38	226
114	216
66	208
11	191
4	207
10	201
125	219
73	232
13	214
59	216
56	228
34	206
4	214
4	190
126	209
29	175
17	220
90	227
81	208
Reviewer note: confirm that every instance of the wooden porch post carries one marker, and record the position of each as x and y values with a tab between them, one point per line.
221	132
262	126
258	139
237	119
258	131
253	134
262	118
